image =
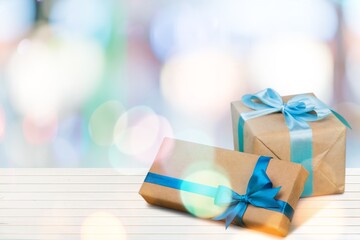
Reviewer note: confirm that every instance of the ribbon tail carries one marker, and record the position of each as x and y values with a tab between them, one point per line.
225	215
341	118
230	214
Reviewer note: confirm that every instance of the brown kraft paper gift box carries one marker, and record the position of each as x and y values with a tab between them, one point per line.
269	135
189	161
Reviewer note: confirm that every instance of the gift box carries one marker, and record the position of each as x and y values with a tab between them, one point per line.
300	129
213	183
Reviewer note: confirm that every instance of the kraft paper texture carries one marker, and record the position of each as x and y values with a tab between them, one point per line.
269	135
184	160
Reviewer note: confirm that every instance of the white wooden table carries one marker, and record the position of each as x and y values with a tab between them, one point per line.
104	204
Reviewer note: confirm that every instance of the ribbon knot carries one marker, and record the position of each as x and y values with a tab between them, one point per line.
259	193
283	107
297	111
243	198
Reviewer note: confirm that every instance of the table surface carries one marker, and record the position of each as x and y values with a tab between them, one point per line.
105	204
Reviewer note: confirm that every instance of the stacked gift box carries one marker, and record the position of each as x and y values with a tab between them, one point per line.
285	148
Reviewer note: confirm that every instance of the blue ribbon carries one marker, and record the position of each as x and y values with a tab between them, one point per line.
297	112
260	193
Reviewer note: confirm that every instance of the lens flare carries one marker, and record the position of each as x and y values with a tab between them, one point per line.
102	226
202	206
256	235
103	120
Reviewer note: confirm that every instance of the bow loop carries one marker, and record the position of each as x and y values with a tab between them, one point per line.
265	198
307	108
259	193
297	111
258	182
263	100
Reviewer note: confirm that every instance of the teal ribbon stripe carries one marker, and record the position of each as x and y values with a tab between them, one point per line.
297	112
260	193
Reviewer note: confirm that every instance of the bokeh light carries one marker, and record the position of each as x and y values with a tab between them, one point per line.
202	84
20	153
351	9
187	26
65	153
68	146
103	120
199	205
183	27
139	132
46	75
39	132
94	19
292	65
102	225
352	73
262	18
16	19
74	73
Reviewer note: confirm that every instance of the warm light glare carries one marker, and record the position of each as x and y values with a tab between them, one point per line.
102	226
254	235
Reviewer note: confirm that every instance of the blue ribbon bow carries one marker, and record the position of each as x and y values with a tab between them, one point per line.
259	193
297	112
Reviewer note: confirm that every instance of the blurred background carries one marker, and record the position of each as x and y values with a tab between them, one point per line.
99	83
